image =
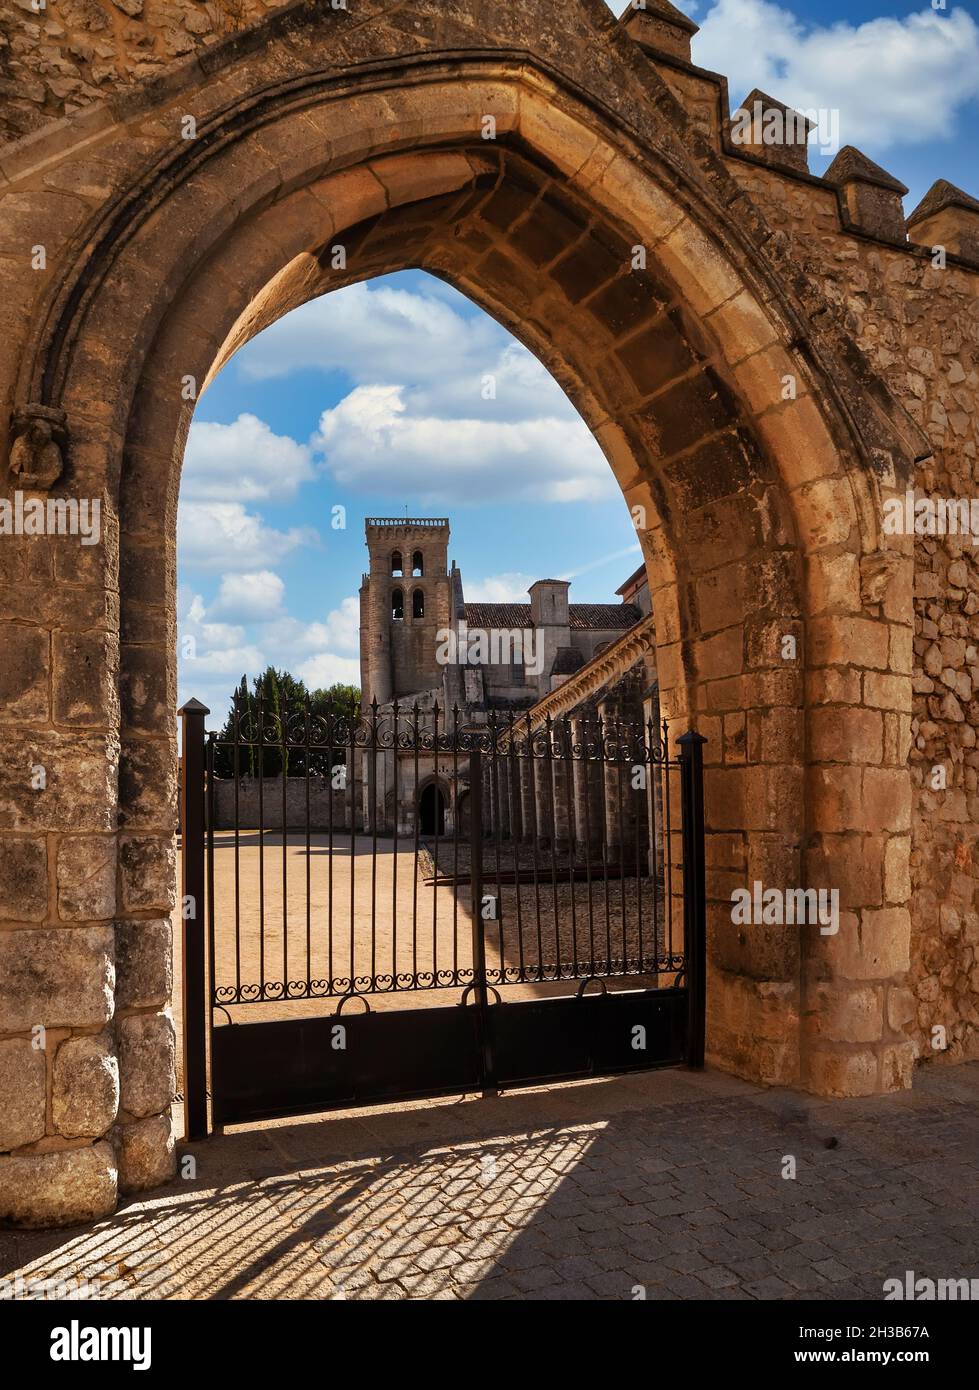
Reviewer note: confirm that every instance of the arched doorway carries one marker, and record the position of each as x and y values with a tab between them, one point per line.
754	509
431	810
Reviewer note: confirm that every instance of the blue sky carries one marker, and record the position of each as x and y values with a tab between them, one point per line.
374	398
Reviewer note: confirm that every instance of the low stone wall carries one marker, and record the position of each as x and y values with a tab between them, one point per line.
250	789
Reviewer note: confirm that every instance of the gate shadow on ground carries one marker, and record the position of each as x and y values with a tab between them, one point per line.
669	1182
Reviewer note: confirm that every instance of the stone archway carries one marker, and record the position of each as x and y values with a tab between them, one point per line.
757	511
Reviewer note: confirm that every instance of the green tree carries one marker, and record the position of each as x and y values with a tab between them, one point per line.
282	697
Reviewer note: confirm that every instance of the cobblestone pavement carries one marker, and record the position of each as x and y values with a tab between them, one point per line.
670	1182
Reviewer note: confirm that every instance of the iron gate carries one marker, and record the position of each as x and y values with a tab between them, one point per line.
542	885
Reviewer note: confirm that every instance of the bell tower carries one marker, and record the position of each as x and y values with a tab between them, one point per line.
404	601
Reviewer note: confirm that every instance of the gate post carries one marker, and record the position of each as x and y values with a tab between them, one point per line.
193	714
694	891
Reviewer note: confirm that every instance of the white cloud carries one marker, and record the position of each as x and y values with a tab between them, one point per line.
254	597
372	442
369	332
510	587
213	655
342	627
451	353
243	462
439	389
894	81
328	669
225	536
289	640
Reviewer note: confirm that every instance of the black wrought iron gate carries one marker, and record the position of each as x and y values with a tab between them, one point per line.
542	884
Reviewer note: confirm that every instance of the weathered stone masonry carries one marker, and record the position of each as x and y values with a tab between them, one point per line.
760	514
918	324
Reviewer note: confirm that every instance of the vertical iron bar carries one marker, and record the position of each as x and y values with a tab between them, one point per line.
330	755
494	733
532	765
237	748
455	844
436	802
192	870
353	853
516	827
209	841
476	907
372	793
652	856
619	778
552	836
639	803
588	779
668	837
307	757
416	816
394	853
603	805
261	845
694	892
283	770
567	753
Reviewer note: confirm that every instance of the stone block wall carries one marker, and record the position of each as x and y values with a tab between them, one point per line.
916	318
249	791
919	326
60	56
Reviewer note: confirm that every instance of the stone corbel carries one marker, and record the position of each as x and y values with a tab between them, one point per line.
876	572
40	436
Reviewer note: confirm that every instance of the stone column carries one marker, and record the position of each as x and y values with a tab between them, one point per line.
66	962
559	795
543	803
147	817
611	773
501	794
588	795
525	774
514	796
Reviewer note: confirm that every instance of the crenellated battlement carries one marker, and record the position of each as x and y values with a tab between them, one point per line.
766	133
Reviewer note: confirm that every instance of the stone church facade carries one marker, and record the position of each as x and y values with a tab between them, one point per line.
768	359
461	664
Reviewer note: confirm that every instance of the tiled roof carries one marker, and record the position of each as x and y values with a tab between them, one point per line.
596	616
592	617
498	614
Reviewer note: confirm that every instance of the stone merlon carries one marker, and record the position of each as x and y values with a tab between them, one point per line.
772	131
948	217
661	28
872	197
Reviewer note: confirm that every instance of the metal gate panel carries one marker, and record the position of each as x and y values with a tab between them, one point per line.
564	857
591	1035
300	1066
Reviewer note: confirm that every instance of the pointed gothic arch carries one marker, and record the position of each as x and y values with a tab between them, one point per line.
754	512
